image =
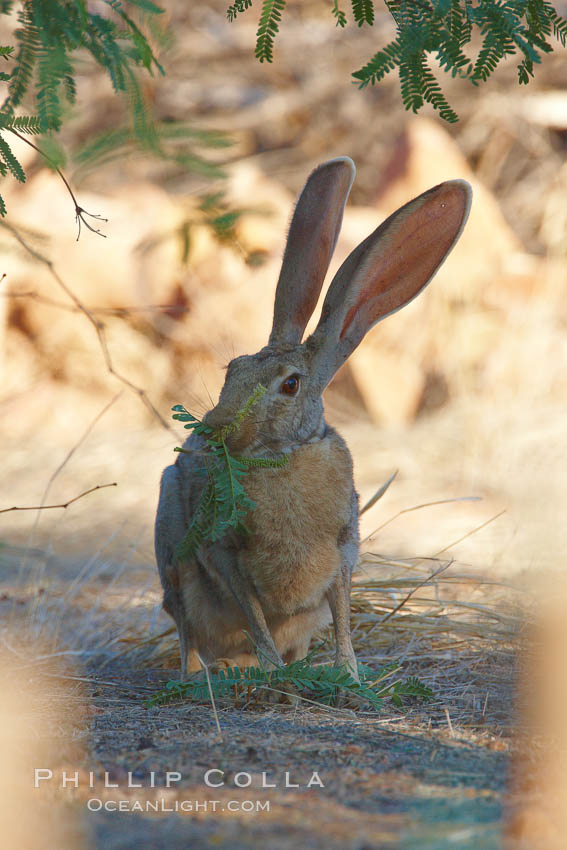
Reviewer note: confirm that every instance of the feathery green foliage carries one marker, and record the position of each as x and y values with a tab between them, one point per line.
237	7
319	683
175	142
215	213
5	53
270	18
48	34
442	29
224	502
339	14
363	11
221	218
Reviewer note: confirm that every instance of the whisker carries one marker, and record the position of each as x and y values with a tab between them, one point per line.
206	388
195	401
263	445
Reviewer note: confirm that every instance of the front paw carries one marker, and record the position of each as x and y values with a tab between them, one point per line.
344	696
282	692
268	658
348	663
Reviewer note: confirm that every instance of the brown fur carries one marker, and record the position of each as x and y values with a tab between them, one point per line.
291	556
293	571
301	509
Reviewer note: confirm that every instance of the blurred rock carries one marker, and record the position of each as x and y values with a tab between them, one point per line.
390	383
548	108
536	811
184	319
35	735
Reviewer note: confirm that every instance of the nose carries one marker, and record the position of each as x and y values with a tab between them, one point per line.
216	419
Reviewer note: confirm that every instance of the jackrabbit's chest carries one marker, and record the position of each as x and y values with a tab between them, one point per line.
303	512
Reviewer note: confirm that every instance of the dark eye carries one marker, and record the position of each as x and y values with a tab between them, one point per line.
291	385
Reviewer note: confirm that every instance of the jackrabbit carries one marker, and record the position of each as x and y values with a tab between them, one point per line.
284	580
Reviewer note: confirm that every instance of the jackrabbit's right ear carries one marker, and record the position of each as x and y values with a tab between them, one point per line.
311	241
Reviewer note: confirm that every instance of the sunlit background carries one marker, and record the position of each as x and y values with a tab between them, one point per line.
463	392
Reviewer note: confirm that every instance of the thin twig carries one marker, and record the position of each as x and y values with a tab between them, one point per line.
212	696
378	494
470	533
80	212
449	724
96	323
105	311
64	505
54	475
79	442
97	682
147	642
417	508
395	610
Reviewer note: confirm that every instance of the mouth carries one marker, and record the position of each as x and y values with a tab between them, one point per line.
242	438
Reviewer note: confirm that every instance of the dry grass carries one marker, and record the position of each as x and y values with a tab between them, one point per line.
76	593
456	631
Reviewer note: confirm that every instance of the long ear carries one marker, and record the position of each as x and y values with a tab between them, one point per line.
310	244
387	271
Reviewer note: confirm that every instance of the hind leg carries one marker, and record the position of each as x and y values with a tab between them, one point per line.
170	530
298	652
338	594
173	605
189	656
339	601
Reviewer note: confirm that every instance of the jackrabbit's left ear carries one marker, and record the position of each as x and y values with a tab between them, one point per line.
387	271
313	233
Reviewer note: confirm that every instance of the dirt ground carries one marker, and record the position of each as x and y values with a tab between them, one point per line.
410	777
383	787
